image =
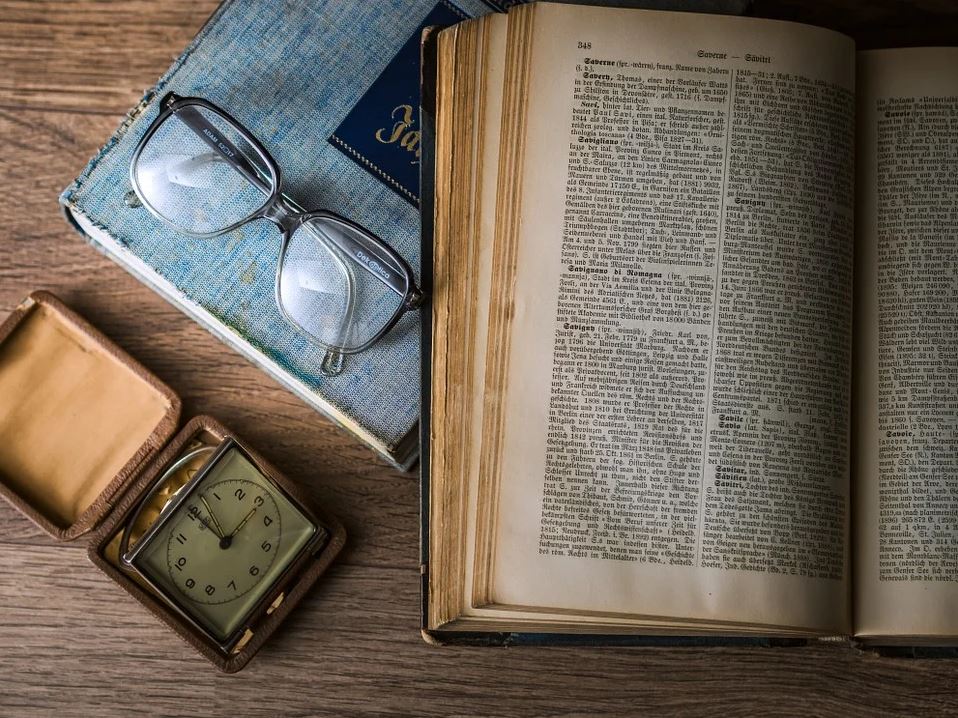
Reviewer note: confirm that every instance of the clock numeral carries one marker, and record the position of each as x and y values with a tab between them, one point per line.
267	520
253	571
240	494
258	501
217	496
181	538
210	590
266	546
190	583
233	584
180	563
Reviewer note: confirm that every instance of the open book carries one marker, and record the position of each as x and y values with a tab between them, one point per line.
660	404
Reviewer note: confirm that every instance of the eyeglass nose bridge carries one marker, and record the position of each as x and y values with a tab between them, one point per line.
283	213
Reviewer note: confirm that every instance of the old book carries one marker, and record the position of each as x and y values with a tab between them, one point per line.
331	89
647	349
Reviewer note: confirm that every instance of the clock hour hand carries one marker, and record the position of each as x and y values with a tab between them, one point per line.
219	529
243	522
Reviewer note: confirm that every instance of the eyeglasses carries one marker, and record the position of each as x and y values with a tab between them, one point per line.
201	172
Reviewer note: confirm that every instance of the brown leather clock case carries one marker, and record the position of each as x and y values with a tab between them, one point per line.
85	432
304	572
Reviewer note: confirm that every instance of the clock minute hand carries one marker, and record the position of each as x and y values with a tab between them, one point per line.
219	529
243	522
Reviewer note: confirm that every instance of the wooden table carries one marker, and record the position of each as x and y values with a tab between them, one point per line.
71	643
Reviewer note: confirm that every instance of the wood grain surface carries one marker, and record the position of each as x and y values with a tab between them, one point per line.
72	644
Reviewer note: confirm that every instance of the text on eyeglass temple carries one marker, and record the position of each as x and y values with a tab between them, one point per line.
223	148
373	265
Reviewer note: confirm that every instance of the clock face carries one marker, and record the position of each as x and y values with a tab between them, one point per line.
241	518
225	544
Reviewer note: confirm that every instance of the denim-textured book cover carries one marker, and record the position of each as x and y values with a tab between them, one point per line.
331	89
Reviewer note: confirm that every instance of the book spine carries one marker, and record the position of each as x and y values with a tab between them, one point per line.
427	172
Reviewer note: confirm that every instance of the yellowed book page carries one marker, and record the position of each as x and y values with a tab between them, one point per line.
906	580
676	425
492	67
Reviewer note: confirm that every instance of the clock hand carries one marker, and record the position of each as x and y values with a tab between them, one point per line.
205	523
243	522
219	529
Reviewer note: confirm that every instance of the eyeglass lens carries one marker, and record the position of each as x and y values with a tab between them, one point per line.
335	287
200	174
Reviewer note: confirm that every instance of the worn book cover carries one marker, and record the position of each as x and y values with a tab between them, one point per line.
331	88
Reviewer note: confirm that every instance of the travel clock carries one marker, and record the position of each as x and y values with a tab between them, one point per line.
223	545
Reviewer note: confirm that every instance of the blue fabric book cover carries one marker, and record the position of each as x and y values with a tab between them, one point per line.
331	88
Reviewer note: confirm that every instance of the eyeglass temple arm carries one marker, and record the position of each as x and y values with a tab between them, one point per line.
193	118
373	261
413	296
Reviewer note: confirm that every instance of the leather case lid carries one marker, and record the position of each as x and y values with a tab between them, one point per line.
78	417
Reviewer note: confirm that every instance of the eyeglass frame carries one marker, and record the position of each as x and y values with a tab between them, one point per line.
287	215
